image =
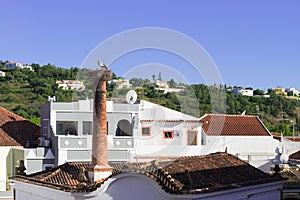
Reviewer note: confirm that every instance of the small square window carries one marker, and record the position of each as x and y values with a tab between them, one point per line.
168	134
192	137
146	131
87	127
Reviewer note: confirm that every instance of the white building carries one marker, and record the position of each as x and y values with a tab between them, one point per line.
145	131
2	74
244	136
142	130
242	91
26	67
14	65
71	85
120	83
292	90
216	176
161	84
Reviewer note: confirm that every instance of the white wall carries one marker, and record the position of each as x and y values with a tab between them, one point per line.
136	186
258	151
9	160
154	111
26	191
3	169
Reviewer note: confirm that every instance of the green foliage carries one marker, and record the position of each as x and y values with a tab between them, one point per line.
23	91
36	120
197	100
258	92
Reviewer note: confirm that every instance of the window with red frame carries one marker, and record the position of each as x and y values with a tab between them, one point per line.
168	134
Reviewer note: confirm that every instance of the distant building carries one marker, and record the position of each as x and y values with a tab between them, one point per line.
14	65
280	91
293	91
120	83
2	74
71	85
242	91
163	86
290	93
27	67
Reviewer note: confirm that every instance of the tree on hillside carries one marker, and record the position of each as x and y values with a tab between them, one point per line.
258	92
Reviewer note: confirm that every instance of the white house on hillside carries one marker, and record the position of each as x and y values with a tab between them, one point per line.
120	83
14	65
242	91
71	85
2	74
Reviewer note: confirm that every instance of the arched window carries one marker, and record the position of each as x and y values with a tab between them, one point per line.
124	128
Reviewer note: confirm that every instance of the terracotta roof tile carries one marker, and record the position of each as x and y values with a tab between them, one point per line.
16	131
233	125
7	116
295	156
190	174
294	139
6	140
170	120
293	178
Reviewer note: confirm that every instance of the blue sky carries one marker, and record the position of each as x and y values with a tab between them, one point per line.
253	43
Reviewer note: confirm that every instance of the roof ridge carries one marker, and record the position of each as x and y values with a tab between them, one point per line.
230	115
11	113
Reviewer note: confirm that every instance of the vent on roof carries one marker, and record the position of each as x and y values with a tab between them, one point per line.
51	98
43	142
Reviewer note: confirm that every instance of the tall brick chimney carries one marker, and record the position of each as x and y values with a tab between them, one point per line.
100	169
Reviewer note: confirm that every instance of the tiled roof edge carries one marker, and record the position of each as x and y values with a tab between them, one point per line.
270	134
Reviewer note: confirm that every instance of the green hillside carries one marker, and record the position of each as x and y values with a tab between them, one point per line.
23	92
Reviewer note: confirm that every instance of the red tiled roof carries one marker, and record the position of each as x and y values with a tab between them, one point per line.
6	140
294	139
182	175
6	116
295	156
293	178
170	120
233	125
16	131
